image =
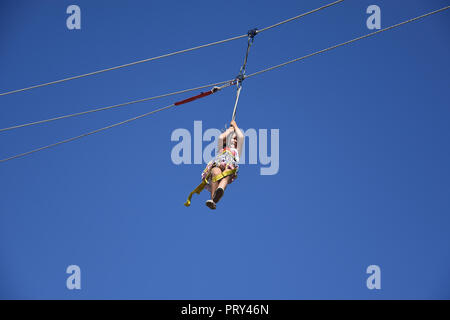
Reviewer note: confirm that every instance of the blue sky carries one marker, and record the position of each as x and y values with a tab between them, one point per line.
363	179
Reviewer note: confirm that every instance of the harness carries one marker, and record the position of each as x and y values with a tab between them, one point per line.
216	178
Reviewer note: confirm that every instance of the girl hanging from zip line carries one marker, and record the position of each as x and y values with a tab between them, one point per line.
223	169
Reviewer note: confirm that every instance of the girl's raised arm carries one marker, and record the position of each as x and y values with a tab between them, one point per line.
239	135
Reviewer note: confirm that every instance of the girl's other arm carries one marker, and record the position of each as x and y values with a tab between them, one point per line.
223	137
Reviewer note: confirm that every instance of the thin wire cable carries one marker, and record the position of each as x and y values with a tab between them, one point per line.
87	134
110	107
238	93
250	41
348	42
299	16
164	55
122	66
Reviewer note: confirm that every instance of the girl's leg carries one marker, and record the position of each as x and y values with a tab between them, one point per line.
214	171
224	182
220	189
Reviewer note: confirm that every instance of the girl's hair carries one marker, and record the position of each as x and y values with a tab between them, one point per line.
225	141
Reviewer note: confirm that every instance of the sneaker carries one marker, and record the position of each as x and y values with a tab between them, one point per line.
210	204
218	194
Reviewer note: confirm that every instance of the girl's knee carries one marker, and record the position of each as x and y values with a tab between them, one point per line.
216	171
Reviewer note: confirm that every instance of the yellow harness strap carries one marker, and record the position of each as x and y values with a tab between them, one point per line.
197	190
202	185
223	175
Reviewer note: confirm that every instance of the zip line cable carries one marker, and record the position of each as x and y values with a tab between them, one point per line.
164	55
348	42
111	107
122	66
299	16
87	134
201	95
215	89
